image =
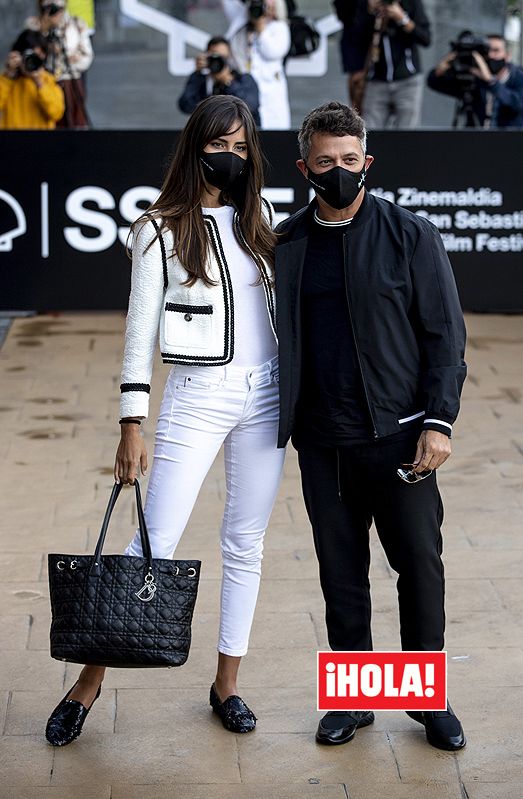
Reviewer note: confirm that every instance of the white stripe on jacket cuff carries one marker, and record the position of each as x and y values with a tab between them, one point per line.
438	421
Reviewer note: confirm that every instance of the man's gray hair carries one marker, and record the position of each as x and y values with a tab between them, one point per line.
335	119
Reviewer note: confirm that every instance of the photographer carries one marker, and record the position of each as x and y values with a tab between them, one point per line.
380	46
70	55
380	52
479	74
259	45
29	96
215	74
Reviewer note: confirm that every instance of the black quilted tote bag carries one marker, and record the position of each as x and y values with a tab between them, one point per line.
119	610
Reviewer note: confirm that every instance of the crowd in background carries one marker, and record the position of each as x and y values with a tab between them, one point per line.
43	84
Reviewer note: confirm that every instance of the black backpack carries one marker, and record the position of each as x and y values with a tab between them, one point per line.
305	39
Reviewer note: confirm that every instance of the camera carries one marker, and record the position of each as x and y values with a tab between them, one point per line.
464	46
215	63
256	9
31	61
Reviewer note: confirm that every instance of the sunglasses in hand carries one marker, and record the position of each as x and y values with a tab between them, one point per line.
408	475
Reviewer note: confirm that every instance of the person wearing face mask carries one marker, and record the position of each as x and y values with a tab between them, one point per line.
215	74
202	281
496	95
371	344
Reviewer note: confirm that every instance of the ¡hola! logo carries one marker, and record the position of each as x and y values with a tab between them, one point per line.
382	681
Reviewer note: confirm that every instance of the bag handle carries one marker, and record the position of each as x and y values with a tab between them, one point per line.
144	535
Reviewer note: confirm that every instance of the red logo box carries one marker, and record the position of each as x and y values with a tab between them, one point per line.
382	681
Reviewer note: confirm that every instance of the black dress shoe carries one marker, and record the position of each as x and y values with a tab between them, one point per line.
442	728
234	713
66	721
339	726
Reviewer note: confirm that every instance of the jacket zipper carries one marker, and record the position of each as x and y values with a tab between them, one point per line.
345	272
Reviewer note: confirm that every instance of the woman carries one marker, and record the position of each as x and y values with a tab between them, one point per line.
212	299
70	55
260	39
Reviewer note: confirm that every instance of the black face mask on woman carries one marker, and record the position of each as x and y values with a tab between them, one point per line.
338	187
222	169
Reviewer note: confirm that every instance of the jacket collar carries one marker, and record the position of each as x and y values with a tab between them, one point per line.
303	220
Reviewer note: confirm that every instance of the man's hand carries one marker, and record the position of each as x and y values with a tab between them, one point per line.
225	77
444	64
37	76
481	69
394	11
201	62
13	63
432	450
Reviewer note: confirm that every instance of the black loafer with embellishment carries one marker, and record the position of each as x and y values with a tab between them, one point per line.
67	719
233	712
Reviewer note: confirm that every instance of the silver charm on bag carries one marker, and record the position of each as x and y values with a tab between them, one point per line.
148	589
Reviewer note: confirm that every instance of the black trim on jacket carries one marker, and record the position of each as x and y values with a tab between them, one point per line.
407	320
135	387
164	254
226	282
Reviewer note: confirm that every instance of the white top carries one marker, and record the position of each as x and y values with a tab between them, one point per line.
254	341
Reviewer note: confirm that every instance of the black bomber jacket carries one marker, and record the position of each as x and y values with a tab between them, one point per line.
405	313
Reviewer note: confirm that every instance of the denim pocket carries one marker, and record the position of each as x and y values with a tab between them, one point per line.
188	384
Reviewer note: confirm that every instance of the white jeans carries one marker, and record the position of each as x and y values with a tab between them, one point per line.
204	407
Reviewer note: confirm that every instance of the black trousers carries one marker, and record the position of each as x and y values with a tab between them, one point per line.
345	489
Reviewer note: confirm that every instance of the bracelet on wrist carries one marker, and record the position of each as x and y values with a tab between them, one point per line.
129	421
404	20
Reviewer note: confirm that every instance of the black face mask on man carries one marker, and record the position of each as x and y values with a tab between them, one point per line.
338	187
222	169
496	65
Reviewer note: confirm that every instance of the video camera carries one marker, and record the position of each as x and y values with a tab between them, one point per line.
465	45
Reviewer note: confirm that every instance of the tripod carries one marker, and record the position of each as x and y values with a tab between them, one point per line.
464	114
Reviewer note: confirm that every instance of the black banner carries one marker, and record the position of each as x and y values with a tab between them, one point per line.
67	199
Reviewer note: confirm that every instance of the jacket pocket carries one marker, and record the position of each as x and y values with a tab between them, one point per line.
188	325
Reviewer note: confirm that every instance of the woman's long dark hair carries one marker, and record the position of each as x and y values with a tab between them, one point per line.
178	206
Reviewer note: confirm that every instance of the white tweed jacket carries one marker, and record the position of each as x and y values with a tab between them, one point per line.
194	325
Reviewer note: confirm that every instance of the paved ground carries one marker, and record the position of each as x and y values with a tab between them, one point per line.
152	734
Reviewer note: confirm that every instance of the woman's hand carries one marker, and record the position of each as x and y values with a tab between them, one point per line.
130	455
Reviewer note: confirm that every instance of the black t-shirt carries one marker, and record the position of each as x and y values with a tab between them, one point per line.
332	408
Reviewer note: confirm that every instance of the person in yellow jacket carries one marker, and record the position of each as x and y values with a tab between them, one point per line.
29	96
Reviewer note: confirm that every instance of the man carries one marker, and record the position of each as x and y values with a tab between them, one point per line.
216	75
497	92
380	46
371	368
29	96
